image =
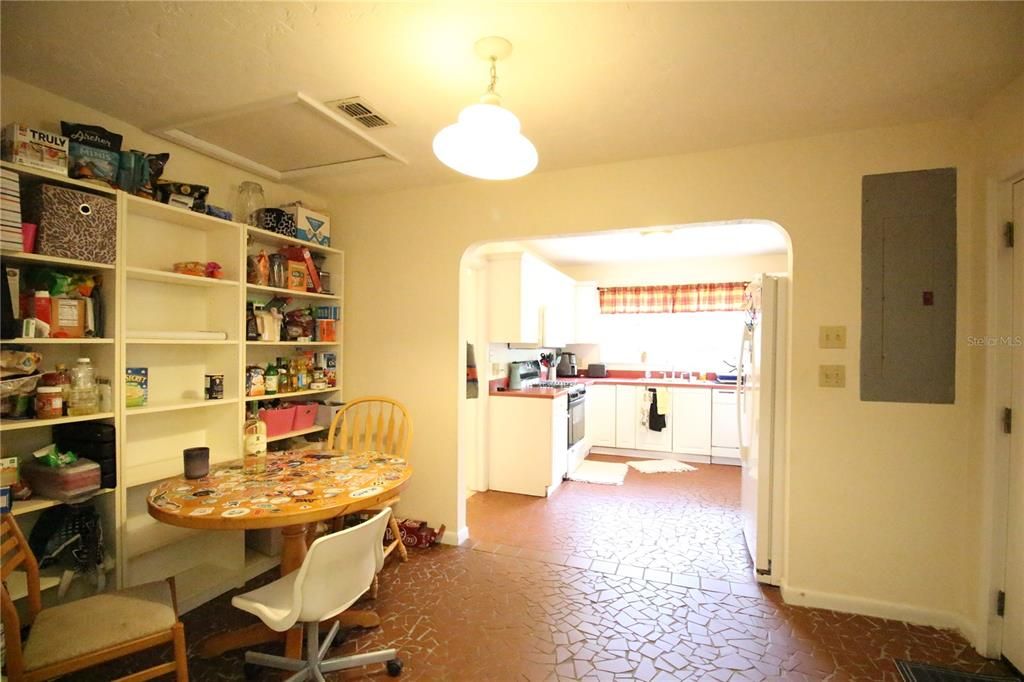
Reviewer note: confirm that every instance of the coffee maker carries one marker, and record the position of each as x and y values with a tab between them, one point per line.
567	365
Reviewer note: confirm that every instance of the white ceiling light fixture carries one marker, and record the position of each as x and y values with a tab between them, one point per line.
486	142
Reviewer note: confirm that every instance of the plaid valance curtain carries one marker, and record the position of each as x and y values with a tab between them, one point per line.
673	298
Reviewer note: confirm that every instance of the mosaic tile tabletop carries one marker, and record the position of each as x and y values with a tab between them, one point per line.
297	487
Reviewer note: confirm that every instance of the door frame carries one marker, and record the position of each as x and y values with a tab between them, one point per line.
988	634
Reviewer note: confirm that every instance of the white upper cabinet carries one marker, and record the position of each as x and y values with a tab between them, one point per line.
587	307
528	301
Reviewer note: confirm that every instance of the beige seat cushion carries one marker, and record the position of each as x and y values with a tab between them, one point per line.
99	622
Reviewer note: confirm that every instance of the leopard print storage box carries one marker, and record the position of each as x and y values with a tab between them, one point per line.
73	224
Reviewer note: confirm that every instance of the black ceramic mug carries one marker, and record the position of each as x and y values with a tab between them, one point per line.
197	462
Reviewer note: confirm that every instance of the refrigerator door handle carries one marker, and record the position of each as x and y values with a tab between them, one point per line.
741	386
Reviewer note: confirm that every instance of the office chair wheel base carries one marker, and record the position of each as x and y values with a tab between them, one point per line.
394	667
251	671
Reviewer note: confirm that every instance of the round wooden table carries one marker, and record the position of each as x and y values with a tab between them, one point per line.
297	489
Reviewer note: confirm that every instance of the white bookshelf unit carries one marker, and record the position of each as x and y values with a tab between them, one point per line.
145	300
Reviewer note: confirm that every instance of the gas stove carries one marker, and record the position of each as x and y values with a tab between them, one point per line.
576	390
555	384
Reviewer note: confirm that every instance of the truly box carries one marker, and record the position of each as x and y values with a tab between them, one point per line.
311	226
36	148
136	385
67	317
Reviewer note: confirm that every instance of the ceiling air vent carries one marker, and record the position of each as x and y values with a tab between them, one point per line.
361	111
284	139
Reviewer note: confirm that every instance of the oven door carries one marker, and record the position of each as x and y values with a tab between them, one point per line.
577	426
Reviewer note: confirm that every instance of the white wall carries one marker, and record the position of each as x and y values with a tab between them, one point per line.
878	505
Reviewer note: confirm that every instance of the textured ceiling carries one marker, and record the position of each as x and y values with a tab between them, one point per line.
591	83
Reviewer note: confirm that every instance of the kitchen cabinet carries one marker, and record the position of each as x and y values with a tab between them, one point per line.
691	421
528	301
601	415
513	298
527	444
586	308
626	416
647	439
725	437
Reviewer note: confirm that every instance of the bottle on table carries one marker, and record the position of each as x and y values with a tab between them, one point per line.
254	451
84	397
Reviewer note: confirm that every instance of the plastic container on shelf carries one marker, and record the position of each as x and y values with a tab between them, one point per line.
305	415
62	483
278	420
84	398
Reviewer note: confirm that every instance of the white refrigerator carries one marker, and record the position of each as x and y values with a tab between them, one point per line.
760	410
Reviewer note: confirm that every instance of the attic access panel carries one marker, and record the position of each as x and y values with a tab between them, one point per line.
283	139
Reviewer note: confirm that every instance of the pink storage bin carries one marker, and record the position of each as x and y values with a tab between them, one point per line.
305	415
278	420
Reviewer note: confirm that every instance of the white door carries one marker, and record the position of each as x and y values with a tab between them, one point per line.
1013	634
625	416
601	415
647	438
691	421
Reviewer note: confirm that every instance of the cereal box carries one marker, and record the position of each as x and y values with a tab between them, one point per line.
8	471
36	148
136	389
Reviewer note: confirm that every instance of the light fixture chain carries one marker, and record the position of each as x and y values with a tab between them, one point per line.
494	75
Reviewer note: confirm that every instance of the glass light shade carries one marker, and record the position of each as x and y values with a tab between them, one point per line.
486	143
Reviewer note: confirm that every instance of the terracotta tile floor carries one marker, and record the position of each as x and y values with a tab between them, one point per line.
686	523
530	613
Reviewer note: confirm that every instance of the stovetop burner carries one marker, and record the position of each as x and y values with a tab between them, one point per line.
555	384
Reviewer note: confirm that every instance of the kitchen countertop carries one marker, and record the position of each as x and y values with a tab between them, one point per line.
551	393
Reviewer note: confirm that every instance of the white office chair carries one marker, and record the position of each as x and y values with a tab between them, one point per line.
338	569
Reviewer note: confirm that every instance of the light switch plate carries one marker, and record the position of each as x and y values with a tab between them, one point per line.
832	337
832	376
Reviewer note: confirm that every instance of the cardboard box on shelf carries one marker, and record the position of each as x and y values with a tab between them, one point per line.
311	226
136	386
36	148
67	317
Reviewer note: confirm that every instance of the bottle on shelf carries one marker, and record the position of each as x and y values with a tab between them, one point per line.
283	377
84	395
106	396
271	379
64	381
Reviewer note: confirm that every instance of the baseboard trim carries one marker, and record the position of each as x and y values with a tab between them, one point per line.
451	537
649	454
879	609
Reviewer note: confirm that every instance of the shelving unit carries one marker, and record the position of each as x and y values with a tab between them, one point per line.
296	433
19	424
290	394
141	294
22	437
288	293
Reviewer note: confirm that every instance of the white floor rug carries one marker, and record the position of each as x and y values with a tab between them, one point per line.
607	473
660	466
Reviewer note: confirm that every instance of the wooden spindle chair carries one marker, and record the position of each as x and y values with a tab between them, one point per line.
86	632
375	423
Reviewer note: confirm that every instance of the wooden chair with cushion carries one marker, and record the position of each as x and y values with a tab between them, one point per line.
86	632
375	423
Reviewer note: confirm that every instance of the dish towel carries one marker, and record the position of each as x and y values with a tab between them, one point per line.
656	420
663	400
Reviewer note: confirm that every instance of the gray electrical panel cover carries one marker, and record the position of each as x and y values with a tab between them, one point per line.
908	280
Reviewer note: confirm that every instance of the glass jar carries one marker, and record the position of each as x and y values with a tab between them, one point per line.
49	404
250	200
106	395
84	394
64	381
